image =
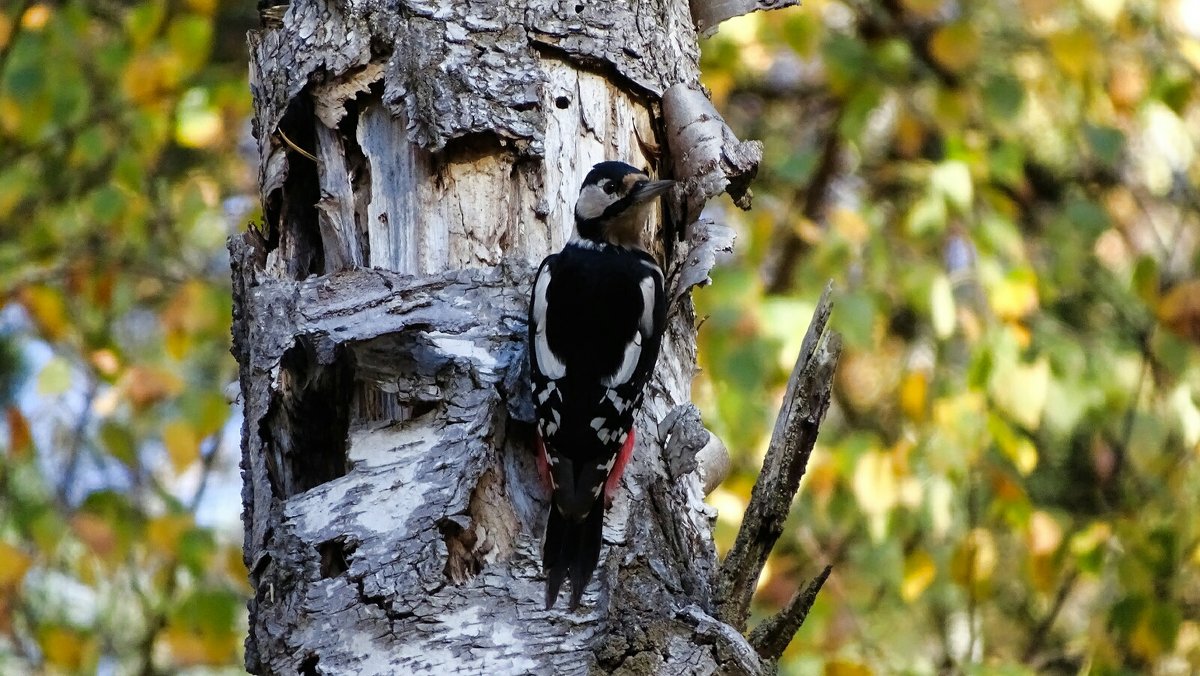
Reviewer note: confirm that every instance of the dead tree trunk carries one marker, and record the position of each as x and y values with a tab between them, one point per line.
417	160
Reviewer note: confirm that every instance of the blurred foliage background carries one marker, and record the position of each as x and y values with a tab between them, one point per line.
1004	193
120	170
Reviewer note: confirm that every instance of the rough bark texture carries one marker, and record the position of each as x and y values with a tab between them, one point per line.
417	160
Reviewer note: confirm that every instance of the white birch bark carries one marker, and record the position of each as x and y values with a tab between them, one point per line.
418	159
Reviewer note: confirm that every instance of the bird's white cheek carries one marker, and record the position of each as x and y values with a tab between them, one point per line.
592	202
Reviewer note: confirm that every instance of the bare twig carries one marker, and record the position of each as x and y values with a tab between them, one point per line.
78	442
772	636
800	416
208	460
1039	634
811	201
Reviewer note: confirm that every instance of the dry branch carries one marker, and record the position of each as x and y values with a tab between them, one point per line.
708	14
800	416
772	636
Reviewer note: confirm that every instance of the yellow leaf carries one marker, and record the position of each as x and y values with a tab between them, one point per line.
1014	296
1106	10
95	532
955	46
941	306
909	135
47	309
1086	541
914	395
846	668
66	649
729	505
1179	310
149	77
189	312
1074	51
106	361
974	560
1043	573
1045	535
919	573
1021	452
20	440
1146	642
1035	10
876	488
163	532
13	564
205	7
183	447
923	8
35	18
235	568
1189	49
146	386
188	648
1127	84
850	225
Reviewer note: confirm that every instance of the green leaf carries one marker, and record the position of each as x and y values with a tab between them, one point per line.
952	180
208	610
1006	163
190	37
1003	97
1106	142
55	377
855	319
119	442
926	216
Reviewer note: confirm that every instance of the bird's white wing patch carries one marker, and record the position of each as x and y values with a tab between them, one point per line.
646	325
548	363
633	352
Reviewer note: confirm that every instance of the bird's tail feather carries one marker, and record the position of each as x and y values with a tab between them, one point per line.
571	548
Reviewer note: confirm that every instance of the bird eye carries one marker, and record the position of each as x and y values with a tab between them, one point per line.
610	187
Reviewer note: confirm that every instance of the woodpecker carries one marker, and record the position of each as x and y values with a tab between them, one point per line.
596	318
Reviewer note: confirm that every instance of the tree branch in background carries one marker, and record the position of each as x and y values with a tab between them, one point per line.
778	268
800	416
1038	636
208	460
78	441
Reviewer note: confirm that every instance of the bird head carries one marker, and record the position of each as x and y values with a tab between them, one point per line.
614	203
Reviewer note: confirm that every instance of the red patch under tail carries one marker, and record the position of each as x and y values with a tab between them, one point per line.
614	477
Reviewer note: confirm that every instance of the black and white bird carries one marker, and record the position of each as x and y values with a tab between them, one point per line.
596	319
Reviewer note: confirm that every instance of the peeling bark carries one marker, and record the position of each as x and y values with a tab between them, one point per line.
417	160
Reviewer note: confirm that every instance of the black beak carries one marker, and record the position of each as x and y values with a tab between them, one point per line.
644	192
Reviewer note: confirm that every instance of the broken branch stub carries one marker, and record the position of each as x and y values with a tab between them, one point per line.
709	14
800	416
772	636
705	154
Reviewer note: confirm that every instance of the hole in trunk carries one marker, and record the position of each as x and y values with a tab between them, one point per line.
335	556
307	426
